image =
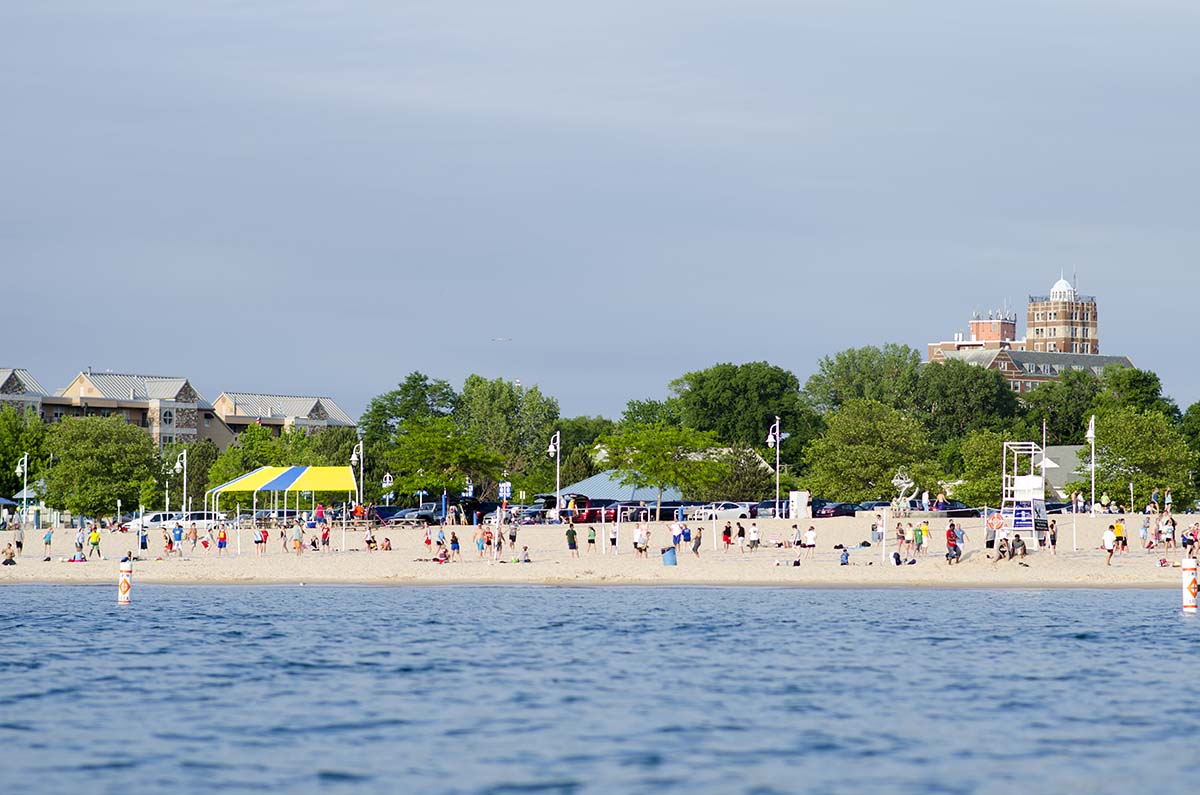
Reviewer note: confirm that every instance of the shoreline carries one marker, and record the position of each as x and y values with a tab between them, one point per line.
553	566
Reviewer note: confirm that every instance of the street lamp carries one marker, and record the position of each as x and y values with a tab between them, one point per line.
181	466
555	452
357	457
23	472
775	439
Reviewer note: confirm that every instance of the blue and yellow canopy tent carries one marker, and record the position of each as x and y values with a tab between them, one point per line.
284	480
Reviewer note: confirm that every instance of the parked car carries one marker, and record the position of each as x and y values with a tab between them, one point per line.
876	505
155	520
719	510
597	511
953	509
766	508
837	509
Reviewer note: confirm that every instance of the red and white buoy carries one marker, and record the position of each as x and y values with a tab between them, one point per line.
1190	586
125	584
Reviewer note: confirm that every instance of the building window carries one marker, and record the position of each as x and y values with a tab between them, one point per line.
168	417
1028	386
1016	386
168	440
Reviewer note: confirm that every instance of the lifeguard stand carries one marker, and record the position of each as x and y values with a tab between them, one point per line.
1024	491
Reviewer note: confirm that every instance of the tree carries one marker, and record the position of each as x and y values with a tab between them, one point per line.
1064	405
98	460
514	422
661	456
21	432
651	412
416	396
739	403
584	431
1189	426
955	398
436	454
1141	447
888	375
743	477
864	444
201	457
578	465
983	460
255	447
1140	390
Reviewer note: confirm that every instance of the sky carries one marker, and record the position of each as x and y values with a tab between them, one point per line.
319	197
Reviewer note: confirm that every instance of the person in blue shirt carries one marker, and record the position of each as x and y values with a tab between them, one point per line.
177	537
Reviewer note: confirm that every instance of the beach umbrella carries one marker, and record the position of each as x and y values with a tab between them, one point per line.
6	502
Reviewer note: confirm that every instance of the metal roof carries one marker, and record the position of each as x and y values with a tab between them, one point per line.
127	386
249	404
607	486
1043	362
31	385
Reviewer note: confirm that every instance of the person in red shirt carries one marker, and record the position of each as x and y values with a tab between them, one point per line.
953	550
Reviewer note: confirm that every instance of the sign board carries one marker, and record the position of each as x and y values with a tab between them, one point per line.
506	490
387	481
996	521
469	491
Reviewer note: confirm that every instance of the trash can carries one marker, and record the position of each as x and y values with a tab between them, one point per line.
669	558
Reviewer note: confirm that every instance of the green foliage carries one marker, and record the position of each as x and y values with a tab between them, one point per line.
954	398
1139	390
983	461
864	445
254	448
584	431
1142	447
888	375
415	396
21	432
98	460
739	403
1189	426
577	465
743	477
514	422
200	457
434	453
663	455
1065	405
651	412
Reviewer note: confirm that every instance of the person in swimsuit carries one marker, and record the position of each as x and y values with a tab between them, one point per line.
697	535
455	550
727	536
591	539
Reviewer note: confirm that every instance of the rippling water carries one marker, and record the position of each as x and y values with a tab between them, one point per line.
538	690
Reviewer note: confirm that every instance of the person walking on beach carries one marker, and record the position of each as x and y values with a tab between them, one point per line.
1110	542
612	539
753	536
477	539
953	551
727	536
94	541
177	539
455	549
298	539
46	539
591	539
697	534
1119	532
572	546
1166	500
741	537
1052	537
80	539
810	543
222	540
910	540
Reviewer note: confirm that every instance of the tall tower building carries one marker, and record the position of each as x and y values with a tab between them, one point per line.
1062	322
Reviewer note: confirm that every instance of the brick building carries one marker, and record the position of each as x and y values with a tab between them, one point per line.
1026	370
1062	321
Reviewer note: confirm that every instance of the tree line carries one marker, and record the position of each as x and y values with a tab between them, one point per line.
864	414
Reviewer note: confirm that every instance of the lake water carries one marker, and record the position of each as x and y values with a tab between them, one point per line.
629	690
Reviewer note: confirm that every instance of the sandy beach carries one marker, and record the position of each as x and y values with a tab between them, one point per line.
552	565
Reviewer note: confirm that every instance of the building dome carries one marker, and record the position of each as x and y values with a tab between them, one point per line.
1062	291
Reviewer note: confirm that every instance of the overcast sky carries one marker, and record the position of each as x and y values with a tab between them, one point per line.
319	197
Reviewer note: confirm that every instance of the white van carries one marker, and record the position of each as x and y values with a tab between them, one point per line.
153	520
204	520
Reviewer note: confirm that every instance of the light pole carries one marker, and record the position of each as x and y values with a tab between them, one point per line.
555	452
1091	437
387	484
775	439
23	472
181	466
357	457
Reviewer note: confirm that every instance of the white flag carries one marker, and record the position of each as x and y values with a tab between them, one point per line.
1091	432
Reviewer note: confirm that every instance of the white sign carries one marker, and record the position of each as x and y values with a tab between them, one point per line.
506	490
387	480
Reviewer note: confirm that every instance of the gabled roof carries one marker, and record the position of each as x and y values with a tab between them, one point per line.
1052	363
251	404
22	377
126	386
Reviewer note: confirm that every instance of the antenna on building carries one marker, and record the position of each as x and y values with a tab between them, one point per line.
1075	279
